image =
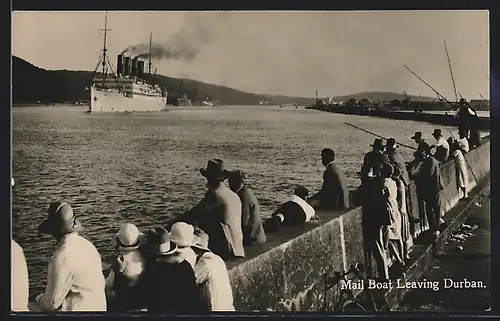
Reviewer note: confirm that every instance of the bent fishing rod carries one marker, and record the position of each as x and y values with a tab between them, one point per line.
376	135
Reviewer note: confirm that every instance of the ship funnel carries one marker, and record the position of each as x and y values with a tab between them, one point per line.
134	67
127	66
140	69
119	65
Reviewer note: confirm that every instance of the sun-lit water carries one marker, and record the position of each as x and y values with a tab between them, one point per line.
144	168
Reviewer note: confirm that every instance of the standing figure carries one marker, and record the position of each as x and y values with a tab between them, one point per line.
427	175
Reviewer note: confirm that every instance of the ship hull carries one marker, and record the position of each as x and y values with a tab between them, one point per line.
115	102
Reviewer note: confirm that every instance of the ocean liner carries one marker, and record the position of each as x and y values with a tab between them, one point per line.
125	90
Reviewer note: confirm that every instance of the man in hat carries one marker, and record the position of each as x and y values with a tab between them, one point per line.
464	114
373	160
296	211
123	284
419	140
218	213
251	222
442	148
212	277
20	277
182	234
427	175
334	193
169	282
75	281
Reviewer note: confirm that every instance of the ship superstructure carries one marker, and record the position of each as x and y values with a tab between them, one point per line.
126	89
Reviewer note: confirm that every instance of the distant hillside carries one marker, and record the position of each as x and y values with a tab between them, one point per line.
31	84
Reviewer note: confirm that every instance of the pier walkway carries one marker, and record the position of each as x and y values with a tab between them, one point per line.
462	257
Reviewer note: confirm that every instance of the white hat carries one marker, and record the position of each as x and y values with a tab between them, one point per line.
183	235
128	237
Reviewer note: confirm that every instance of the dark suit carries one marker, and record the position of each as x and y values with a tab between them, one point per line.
427	177
334	193
372	160
251	222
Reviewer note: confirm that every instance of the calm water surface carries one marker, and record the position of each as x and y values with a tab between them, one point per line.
144	168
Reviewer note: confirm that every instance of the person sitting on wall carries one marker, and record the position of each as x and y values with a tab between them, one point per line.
218	213
169	282
334	193
441	146
212	277
296	211
251	222
419	140
123	281
75	280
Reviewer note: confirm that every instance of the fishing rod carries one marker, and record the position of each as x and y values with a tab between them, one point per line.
451	71
432	88
376	135
472	171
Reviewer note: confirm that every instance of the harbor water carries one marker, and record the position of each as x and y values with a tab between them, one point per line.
144	168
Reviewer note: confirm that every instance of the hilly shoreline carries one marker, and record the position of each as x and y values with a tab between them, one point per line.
32	85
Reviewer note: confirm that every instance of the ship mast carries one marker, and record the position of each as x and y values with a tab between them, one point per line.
150	44
104	48
451	71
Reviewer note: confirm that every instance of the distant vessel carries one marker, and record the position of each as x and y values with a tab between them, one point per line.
125	90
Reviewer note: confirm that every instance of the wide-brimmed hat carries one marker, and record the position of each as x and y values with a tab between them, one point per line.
158	242
418	135
237	175
183	235
391	143
378	143
437	132
215	169
203	239
128	238
60	219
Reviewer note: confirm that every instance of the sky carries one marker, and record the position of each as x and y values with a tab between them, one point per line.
290	53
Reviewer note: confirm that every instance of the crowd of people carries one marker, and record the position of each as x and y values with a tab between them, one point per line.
181	267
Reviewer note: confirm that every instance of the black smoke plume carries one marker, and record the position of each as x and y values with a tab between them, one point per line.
183	46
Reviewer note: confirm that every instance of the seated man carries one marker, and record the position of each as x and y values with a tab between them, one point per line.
334	193
294	212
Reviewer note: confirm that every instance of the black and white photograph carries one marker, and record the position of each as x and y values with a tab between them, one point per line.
177	162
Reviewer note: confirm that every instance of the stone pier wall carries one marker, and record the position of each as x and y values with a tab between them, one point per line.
286	273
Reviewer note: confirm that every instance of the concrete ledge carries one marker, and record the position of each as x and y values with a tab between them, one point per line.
422	255
286	273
